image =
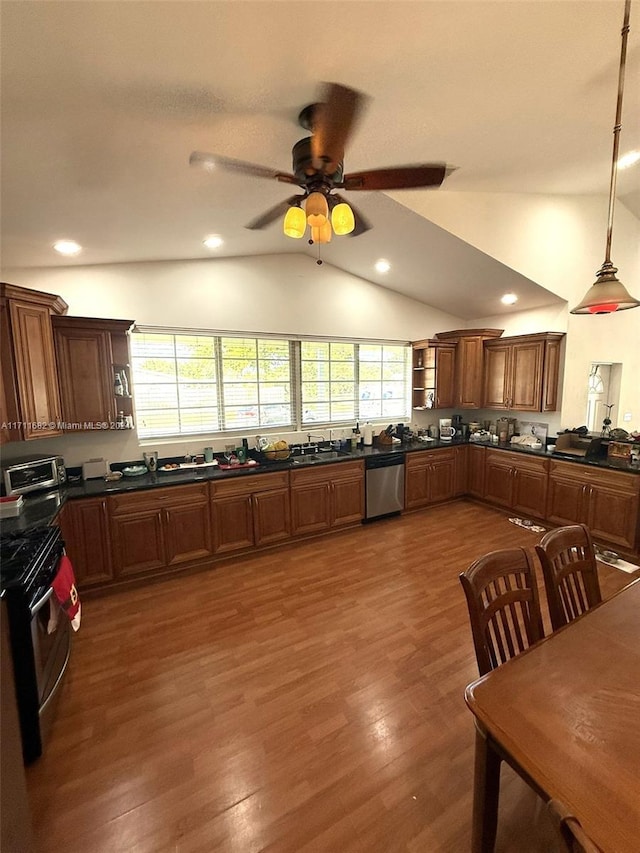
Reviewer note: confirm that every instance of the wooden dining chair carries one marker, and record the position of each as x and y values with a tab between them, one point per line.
569	829
504	608
570	573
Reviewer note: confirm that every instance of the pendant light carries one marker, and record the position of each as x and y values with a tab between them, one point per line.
608	294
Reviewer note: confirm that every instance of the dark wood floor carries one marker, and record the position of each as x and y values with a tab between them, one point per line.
308	699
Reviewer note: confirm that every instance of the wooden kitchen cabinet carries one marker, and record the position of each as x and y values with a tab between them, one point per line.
430	477
608	502
469	359
433	382
85	530
159	528
516	481
326	497
250	511
31	399
89	353
475	470
522	372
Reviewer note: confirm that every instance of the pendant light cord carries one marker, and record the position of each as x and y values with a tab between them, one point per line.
617	128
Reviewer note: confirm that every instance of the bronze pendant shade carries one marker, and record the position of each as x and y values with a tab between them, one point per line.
608	294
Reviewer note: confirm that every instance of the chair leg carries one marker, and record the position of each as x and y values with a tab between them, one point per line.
486	791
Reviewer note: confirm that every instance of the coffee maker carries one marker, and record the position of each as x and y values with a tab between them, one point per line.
446	430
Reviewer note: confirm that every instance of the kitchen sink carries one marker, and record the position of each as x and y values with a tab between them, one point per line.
319	456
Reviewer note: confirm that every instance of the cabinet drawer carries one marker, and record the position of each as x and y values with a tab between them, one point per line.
249	484
427	457
156	498
326	472
517	460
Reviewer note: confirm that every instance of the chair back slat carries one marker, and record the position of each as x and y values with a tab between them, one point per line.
568	561
503	604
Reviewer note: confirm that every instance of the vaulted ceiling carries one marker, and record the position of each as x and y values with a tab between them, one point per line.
102	103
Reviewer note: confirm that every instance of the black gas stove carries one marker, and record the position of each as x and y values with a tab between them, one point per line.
28	559
39	645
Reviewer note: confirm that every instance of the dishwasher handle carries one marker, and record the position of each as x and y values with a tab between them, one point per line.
384	461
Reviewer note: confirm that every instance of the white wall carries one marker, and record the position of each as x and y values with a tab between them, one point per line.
286	294
558	242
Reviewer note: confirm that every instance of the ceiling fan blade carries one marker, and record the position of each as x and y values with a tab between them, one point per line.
333	122
398	177
271	215
210	162
362	223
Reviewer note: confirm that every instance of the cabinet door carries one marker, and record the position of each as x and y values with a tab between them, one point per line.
310	506
461	470
416	480
445	377
347	500
530	492
84	365
187	532
566	500
613	514
551	376
35	369
469	368
271	516
476	471
232	523
85	530
527	360
498	480
497	365
441	477
137	542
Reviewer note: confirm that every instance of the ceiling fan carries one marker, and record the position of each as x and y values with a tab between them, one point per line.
318	171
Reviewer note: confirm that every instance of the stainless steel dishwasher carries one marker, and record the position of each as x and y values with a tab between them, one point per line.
384	479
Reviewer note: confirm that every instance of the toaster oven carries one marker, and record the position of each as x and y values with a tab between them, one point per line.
33	473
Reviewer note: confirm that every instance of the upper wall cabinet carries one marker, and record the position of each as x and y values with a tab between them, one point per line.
469	345
30	400
522	372
93	365
433	375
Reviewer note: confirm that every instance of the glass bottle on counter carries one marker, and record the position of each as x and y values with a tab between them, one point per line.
118	387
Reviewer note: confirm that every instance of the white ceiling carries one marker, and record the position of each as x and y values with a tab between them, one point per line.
102	103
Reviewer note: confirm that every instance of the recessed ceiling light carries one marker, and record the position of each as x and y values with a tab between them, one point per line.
383	265
213	241
628	159
67	247
509	299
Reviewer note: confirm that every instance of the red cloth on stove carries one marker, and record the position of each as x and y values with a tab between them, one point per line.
64	587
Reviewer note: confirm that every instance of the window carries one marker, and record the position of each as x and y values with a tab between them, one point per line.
188	384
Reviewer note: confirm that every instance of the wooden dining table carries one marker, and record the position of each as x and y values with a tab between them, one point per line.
566	715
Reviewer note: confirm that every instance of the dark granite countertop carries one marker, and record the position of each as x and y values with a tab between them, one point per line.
42	508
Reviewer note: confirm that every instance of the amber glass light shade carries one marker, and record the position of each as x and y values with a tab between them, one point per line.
606	295
342	219
321	233
317	210
295	223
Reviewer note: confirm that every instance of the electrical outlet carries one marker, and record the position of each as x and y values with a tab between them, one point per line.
627	416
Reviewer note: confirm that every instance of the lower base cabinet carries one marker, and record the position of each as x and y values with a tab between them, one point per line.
250	511
326	497
84	525
606	501
159	528
430	477
475	470
516	481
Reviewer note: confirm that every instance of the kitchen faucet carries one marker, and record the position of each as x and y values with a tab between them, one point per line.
310	436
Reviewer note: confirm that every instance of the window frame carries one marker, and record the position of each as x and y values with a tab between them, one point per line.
295	382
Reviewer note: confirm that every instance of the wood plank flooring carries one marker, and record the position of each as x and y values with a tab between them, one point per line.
307	699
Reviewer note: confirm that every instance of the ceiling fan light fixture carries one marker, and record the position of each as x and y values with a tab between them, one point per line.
321	233
295	222
607	294
342	219
317	209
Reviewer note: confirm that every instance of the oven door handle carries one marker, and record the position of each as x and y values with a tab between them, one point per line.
40	603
